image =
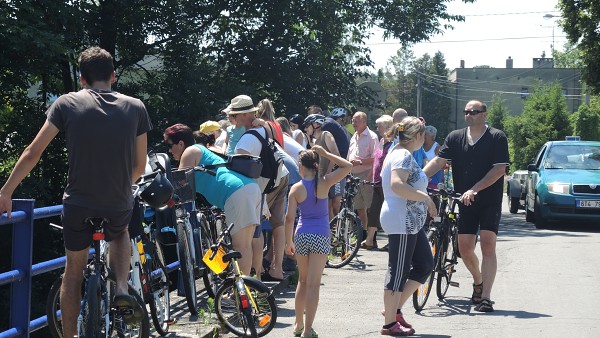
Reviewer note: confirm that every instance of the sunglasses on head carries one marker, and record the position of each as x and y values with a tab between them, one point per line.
473	112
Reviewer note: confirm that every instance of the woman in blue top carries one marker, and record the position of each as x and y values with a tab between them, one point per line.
238	195
311	243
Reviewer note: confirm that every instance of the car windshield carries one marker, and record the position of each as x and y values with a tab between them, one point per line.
577	156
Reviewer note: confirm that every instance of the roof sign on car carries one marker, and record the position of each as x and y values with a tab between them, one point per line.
572	138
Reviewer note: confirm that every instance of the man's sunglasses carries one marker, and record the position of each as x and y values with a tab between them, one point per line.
473	112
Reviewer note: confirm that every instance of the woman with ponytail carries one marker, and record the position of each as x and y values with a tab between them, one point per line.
311	243
403	214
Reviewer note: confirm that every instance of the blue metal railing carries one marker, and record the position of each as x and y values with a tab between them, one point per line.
20	323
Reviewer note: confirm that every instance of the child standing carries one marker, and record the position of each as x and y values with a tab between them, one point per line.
311	243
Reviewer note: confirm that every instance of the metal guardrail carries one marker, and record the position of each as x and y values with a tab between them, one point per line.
22	217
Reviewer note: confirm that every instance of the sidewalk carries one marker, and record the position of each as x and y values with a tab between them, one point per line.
205	324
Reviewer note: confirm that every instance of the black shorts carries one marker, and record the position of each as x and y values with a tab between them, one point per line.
337	189
78	235
479	217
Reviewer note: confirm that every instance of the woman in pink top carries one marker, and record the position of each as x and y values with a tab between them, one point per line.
311	243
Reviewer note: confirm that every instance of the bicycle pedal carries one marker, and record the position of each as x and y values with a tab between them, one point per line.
455	284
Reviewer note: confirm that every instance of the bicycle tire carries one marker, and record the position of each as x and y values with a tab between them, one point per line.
93	293
449	258
158	297
421	295
186	267
141	330
346	236
230	314
210	279
52	307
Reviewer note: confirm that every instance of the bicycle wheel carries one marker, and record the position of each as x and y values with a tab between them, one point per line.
52	309
346	236
422	294
186	266
448	258
157	295
91	317
210	279
230	313
124	330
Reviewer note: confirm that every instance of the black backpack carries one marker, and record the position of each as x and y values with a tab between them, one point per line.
271	158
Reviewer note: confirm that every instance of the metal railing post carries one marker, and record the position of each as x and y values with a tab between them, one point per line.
22	252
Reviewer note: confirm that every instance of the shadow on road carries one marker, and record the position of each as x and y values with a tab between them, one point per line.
514	225
452	306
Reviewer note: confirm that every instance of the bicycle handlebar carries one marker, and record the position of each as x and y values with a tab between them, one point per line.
220	240
358	180
444	193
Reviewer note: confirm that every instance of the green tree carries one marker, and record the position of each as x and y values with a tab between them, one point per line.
399	81
580	22
497	112
569	58
586	123
435	101
544	118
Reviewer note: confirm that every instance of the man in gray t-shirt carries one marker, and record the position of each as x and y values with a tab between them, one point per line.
106	136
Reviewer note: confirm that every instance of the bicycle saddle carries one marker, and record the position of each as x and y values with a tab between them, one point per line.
231	255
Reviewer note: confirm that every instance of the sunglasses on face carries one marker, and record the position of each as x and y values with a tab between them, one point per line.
171	145
473	112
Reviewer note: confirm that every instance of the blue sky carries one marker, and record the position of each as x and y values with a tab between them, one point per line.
493	30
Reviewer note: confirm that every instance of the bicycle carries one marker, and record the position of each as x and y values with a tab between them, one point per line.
98	317
210	220
442	234
149	275
346	232
244	305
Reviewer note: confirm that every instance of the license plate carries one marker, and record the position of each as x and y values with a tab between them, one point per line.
588	204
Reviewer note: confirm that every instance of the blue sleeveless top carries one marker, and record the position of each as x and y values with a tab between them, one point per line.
314	216
217	189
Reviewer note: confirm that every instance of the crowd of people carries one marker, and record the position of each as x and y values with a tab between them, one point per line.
318	150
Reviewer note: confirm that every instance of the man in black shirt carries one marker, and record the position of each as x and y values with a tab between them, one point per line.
479	156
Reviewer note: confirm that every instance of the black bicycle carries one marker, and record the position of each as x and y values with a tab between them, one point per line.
211	222
442	233
345	230
98	317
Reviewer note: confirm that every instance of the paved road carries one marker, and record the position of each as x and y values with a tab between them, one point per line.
547	286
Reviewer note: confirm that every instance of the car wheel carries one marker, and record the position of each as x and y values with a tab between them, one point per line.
540	222
514	205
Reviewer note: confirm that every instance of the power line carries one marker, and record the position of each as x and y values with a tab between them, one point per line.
515	13
472	40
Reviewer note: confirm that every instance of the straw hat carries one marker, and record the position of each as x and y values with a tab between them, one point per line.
209	126
242	104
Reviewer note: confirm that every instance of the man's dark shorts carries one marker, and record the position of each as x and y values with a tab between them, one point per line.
479	217
337	189
78	235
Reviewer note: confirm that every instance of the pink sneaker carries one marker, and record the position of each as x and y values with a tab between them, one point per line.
400	319
397	330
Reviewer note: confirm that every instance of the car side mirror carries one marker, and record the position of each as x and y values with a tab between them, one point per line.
532	167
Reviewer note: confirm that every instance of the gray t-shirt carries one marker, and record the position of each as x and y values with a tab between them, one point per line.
100	131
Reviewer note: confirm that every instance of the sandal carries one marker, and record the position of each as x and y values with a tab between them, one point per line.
298	332
364	245
313	334
477	291
485	306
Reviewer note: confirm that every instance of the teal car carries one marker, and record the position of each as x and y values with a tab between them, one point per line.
564	183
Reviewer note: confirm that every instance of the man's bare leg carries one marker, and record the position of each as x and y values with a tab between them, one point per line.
119	260
489	263
70	290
